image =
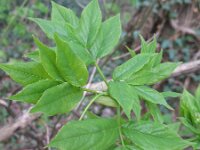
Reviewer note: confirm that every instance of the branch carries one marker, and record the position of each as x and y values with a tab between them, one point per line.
23	121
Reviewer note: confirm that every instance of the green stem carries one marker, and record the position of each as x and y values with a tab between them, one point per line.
119	124
101	74
90	90
88	106
93	91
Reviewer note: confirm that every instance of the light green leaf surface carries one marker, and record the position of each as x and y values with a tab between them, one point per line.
170	94
58	99
25	73
149	76
126	96
32	92
90	23
107	101
151	95
154	136
107	38
50	28
189	107
71	67
148	47
129	68
91	134
34	55
155	112
48	60
63	14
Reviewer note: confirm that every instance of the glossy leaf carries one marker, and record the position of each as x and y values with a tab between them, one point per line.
126	96
154	136
25	73
32	92
48	60
71	67
58	99
91	134
151	95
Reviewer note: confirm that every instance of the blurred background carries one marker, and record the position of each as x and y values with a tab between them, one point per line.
176	23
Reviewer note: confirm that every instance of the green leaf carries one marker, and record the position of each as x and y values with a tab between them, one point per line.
174	126
154	136
187	124
107	37
32	92
126	96
25	73
50	28
107	101
151	95
170	94
58	99
127	147
189	107
132	52
34	55
148	47
48	60
71	67
129	68
197	97
144	45
82	52
197	93
91	134
63	14
155	112
149	76
90	23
